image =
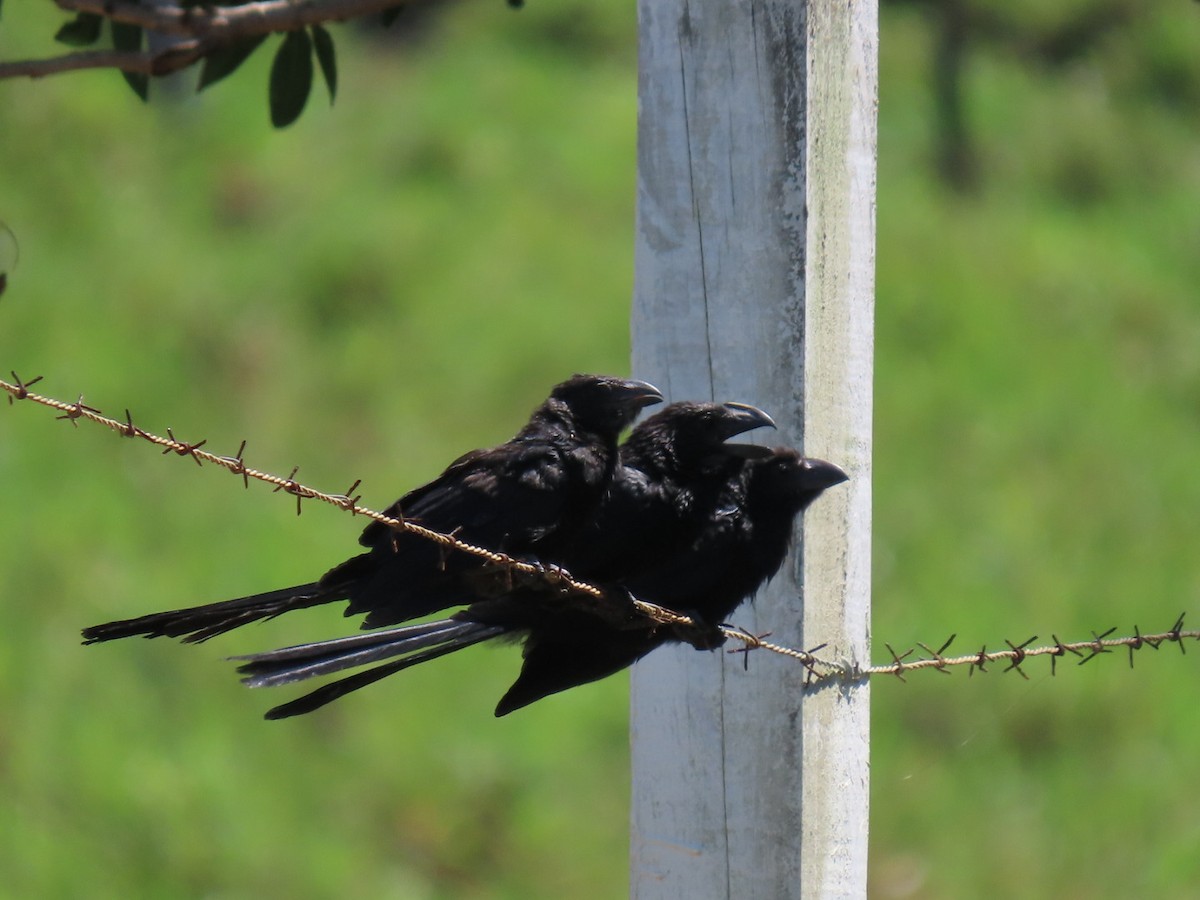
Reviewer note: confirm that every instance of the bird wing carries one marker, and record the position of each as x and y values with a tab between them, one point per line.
488	496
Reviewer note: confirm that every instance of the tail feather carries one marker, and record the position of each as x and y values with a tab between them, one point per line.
297	663
199	623
268	659
332	691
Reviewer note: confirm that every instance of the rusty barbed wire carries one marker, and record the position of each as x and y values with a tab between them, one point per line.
554	576
820	670
1017	654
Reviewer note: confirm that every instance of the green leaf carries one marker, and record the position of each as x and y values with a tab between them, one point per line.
225	60
128	37
323	44
291	78
81	31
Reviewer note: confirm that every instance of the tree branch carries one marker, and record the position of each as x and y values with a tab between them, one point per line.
200	30
176	57
222	24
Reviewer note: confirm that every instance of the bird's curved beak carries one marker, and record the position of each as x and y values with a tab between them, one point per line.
742	417
641	393
819	474
747	451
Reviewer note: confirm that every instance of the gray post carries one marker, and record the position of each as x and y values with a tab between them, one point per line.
754	282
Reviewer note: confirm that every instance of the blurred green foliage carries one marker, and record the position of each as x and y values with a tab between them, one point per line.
389	283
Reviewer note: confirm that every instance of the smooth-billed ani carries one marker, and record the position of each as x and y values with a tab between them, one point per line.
739	515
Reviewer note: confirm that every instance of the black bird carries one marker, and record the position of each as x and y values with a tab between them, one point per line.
742	546
670	470
745	539
668	474
526	497
739	542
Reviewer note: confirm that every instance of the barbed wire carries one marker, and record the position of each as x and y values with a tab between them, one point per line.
554	576
820	670
1017	654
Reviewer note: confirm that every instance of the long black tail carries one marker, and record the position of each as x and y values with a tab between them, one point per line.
199	623
414	643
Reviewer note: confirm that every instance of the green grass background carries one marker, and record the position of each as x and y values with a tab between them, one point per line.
398	279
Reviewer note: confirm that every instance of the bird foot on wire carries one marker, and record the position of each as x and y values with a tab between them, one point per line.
701	634
617	609
544	577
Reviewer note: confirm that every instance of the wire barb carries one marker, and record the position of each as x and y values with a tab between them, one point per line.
1097	645
349	500
177	446
72	411
1019	656
1058	650
1176	632
20	390
937	654
751	642
236	464
130	430
898	661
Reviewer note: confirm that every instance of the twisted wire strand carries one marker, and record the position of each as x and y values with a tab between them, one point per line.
819	669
